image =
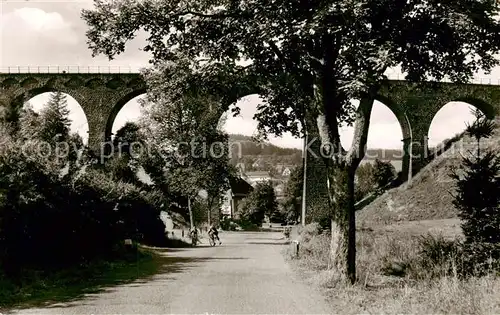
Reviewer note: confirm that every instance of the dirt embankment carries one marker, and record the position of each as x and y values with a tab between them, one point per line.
429	196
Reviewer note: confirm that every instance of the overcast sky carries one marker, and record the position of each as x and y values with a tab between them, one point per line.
42	33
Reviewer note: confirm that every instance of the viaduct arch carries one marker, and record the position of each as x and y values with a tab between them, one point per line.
102	95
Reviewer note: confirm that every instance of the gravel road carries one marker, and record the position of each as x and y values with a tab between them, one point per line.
246	275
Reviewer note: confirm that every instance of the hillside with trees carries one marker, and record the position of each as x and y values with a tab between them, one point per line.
261	156
264	156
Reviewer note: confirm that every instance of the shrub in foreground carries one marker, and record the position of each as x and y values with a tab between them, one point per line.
46	223
52	221
478	187
437	257
414	257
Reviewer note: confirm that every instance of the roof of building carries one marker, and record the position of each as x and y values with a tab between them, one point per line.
279	187
258	174
239	185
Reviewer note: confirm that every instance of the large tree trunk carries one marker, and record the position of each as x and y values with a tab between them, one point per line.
341	173
338	250
351	232
339	246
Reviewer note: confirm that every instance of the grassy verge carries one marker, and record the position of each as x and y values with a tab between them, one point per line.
39	288
396	275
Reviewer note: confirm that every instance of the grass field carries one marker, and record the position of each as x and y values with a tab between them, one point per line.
391	276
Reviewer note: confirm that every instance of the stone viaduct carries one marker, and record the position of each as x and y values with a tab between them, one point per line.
102	95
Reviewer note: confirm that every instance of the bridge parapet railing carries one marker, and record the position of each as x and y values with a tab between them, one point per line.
70	69
136	69
475	80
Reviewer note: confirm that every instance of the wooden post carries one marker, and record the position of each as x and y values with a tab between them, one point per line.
296	248
304	184
410	164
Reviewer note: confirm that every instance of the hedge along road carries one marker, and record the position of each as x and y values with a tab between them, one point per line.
246	275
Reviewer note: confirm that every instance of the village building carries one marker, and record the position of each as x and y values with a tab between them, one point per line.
239	189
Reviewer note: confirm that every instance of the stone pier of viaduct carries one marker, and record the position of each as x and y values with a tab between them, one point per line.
102	95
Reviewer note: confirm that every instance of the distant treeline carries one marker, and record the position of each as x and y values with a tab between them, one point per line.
250	147
262	156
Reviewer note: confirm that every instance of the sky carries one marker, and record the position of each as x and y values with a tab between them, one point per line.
51	33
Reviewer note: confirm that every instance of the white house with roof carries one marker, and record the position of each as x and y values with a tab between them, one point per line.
256	177
259	163
286	171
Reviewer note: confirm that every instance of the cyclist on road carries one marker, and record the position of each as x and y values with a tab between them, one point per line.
193	233
213	231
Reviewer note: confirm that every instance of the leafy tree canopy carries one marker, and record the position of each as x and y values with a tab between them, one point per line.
54	119
50	130
259	203
383	172
126	136
365	180
305	52
293	194
188	150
